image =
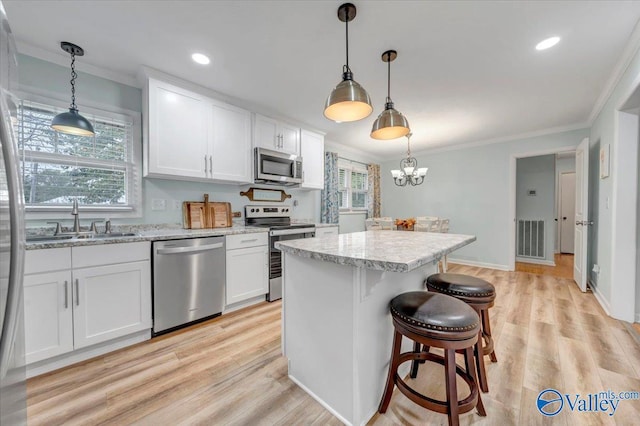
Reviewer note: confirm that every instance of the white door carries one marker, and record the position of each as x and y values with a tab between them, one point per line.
247	273
580	267
230	145
265	133
48	315
111	301
312	151
567	211
289	139
177	132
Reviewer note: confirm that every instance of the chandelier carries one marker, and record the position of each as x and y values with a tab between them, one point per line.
409	172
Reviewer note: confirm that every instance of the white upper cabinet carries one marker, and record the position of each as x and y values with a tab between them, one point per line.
230	143
193	137
312	150
177	132
275	135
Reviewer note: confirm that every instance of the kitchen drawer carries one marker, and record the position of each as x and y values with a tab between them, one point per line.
107	254
326	231
247	240
45	260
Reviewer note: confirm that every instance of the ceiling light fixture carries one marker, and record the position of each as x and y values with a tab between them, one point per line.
200	59
72	122
409	172
547	43
390	124
348	101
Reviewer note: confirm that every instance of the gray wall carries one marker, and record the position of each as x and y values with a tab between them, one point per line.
470	186
45	78
538	173
603	132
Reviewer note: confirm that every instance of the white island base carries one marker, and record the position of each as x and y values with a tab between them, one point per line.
337	331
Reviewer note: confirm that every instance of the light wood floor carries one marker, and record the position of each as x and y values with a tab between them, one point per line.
229	371
563	268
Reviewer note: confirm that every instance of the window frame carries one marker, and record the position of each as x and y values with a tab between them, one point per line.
133	168
353	166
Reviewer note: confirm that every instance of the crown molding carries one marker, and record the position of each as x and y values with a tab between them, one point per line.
342	149
621	67
502	139
62	59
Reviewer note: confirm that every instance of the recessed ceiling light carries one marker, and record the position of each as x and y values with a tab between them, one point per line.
547	43
200	58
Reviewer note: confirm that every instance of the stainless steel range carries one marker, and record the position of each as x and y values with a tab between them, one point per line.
278	219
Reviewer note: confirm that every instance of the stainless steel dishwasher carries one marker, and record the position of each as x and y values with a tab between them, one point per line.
188	281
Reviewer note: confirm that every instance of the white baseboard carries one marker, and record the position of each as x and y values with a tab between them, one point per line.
536	261
479	264
600	298
79	355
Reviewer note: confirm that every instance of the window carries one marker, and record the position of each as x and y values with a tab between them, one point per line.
99	171
353	183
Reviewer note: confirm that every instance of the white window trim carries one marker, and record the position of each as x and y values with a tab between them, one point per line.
134	190
355	167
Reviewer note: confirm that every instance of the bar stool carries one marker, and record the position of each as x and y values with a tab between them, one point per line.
480	295
440	321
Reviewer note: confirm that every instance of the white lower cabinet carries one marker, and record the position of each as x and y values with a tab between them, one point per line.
111	301
48	315
69	309
247	267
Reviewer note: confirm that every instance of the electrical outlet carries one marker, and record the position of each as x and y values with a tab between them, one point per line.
158	204
177	205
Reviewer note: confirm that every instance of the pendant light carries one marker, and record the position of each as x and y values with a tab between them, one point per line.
409	172
390	124
72	122
348	101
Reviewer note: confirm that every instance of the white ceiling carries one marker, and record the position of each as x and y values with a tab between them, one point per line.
465	72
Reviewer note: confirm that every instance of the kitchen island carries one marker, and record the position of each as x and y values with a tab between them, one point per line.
336	328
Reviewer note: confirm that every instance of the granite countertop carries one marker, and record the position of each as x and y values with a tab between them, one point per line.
396	251
146	233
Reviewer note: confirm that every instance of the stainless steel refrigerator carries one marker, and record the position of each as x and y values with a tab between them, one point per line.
12	240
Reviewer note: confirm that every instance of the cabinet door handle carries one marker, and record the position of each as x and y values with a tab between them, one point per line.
211	165
77	292
205	164
249	241
66	294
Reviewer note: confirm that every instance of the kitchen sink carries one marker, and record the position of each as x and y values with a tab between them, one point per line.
39	238
80	236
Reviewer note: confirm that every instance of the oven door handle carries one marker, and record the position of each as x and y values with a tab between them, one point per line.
300	231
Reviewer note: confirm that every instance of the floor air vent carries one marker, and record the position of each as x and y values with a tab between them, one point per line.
530	238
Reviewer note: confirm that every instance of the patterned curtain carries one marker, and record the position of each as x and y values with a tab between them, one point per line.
373	170
329	212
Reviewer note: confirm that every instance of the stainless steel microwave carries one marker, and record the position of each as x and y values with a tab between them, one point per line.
277	168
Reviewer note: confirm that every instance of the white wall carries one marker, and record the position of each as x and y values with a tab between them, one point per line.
538	173
470	186
563	165
604	132
36	75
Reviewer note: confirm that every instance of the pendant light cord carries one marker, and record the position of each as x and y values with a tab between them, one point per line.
409	145
74	75
388	77
346	67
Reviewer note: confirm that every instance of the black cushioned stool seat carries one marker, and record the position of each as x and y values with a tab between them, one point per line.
480	295
441	321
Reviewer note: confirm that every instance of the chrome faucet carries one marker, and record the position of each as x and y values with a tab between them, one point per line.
76	219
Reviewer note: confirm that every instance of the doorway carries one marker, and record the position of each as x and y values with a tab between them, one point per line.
566	212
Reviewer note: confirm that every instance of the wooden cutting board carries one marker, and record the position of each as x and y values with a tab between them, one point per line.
202	215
